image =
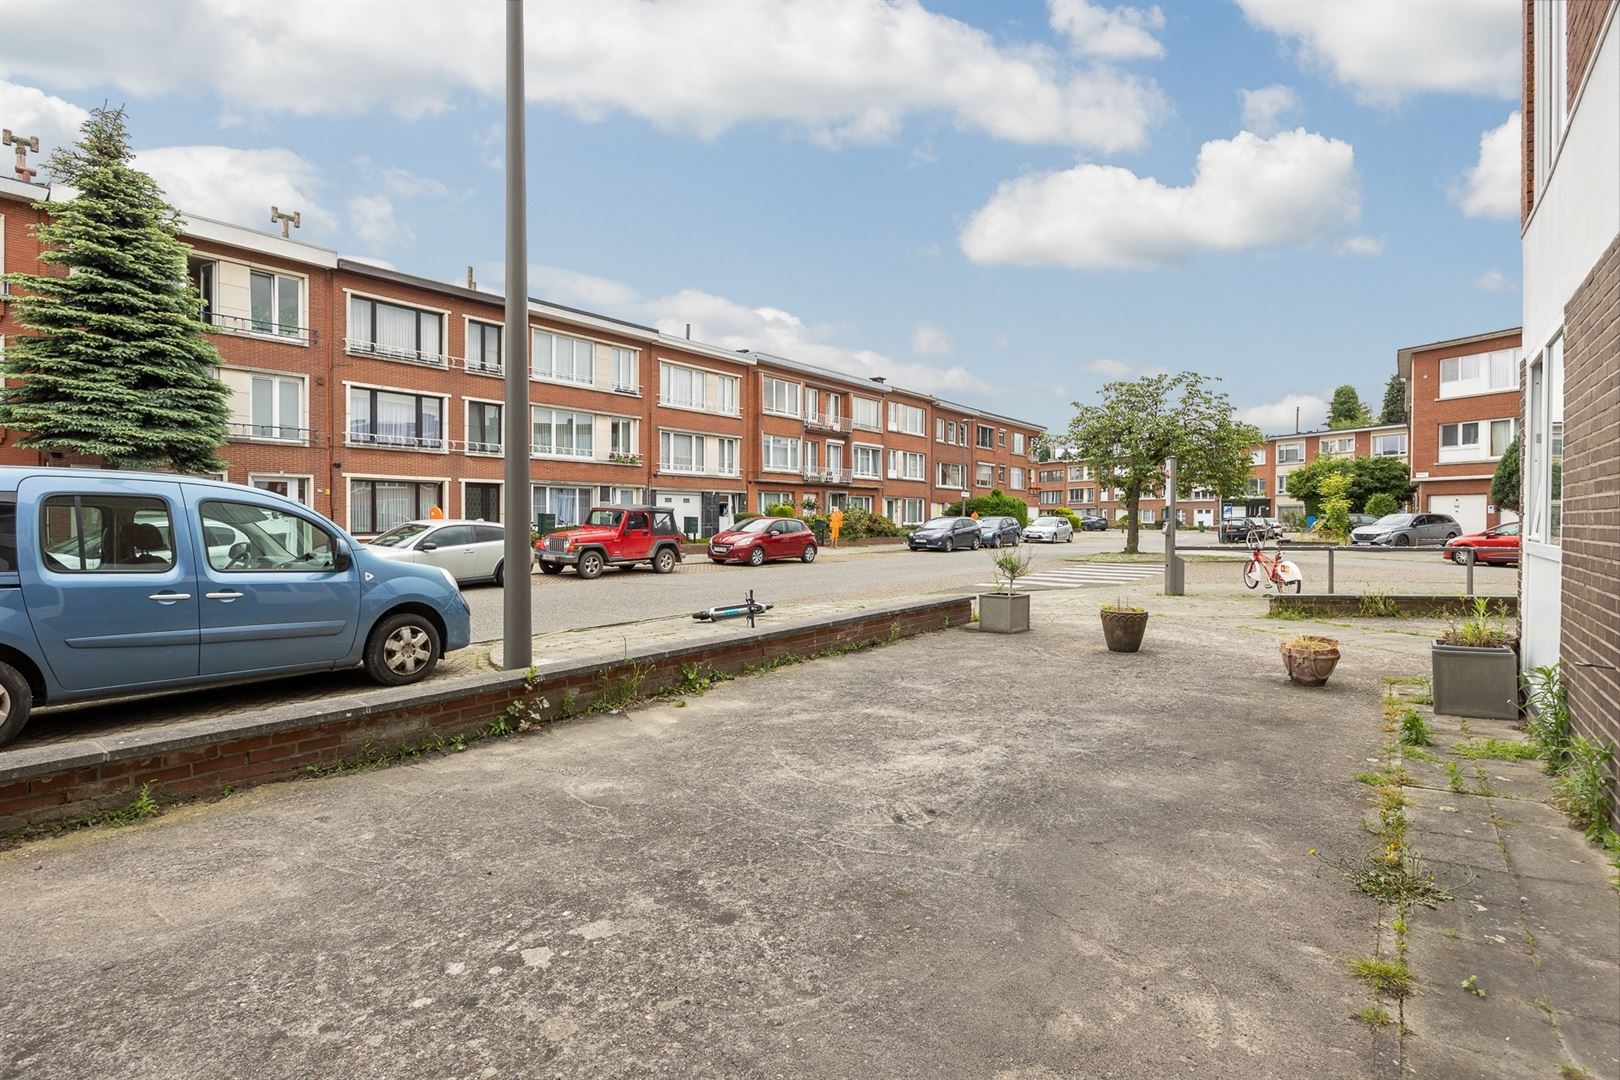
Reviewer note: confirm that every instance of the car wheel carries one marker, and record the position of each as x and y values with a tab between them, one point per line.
500	574
1402	540
1458	557
591	564
664	561
973	544
16	702
756	557
950	543
1070	538
402	649
809	554
550	568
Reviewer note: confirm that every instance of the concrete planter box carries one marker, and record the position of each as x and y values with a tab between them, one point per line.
1482	683
1004	613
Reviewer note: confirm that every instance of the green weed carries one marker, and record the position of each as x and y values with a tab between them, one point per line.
1582	790
1497	749
1373	1015
1454	778
1414	732
1388	977
1471	984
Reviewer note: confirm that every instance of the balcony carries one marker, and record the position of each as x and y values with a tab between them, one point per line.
674	401
487	449
824	421
355	347
264	328
688	468
822	475
359	437
268	433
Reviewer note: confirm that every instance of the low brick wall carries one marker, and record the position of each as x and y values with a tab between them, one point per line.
202	758
1415	605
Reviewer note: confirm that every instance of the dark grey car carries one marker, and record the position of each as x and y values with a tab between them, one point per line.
945	534
998	531
1408	530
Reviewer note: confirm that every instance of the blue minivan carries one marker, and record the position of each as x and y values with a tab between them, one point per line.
115	582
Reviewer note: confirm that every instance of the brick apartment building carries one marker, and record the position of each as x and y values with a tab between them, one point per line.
1283	454
1462	398
1570	573
373	396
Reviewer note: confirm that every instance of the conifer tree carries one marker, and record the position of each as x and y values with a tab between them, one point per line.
117	366
1394	411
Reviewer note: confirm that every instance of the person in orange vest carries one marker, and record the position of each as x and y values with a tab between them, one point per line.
835	524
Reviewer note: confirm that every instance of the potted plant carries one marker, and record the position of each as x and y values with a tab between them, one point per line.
1006	611
1476	670
1310	659
1123	626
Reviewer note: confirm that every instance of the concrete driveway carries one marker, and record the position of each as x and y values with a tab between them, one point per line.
957	856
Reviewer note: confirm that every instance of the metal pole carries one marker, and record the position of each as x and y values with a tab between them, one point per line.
1468	560
1330	571
1174	584
517	646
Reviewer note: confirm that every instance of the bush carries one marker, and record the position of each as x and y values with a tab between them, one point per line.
821	526
744	516
858	525
1382	503
781	510
996	504
1335	521
1064	512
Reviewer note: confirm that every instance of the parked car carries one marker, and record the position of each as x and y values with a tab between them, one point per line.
1499	545
613	536
945	534
470	550
114	583
1407	530
1049	530
760	539
1235	530
1358	520
1274	526
1093	523
996	531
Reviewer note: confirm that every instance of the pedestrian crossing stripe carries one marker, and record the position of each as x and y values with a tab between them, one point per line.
1079	576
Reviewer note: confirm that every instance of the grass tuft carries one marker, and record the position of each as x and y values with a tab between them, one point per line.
1388	977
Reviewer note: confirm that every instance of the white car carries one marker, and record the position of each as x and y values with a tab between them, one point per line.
470	550
1049	530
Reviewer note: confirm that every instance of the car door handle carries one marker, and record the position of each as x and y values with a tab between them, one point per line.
169	598
224	595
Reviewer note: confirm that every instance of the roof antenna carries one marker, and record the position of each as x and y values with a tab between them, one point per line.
25	144
294	219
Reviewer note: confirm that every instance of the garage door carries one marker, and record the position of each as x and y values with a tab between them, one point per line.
1469	510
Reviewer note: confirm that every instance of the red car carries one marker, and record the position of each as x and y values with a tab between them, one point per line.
1499	545
613	536
760	539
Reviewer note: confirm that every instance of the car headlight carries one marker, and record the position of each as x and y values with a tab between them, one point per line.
568	545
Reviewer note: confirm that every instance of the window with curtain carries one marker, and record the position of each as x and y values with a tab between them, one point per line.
394	418
557	356
484	348
680	386
557	431
483	428
378	505
395	332
624	370
680	451
275	407
864	413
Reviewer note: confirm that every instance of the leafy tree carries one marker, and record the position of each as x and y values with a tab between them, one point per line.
1505	484
117	366
1043	448
1394	410
1368	477
1347	411
1140	423
1335	521
1382	503
997	504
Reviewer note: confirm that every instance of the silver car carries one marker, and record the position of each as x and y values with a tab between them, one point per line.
470	550
1407	530
1049	530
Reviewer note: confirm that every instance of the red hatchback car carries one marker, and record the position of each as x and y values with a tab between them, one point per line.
760	539
1499	545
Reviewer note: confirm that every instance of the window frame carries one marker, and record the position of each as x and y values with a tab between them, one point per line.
356	346
439	445
45	558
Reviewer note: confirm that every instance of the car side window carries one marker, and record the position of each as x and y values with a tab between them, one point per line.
637	523
488	534
451	536
263	538
793	526
664	523
106	534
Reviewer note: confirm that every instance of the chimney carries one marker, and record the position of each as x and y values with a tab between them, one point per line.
471	284
688	331
1296	419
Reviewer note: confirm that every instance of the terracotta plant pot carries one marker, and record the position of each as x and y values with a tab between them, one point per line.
1123	630
1310	659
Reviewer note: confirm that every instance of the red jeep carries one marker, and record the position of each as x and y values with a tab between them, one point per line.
617	535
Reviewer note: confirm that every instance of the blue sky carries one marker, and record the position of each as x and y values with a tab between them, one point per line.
1005	202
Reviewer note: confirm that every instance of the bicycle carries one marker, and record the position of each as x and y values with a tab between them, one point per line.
1274	570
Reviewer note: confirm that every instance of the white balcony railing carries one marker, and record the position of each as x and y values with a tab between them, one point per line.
390	441
356	347
269	328
268	432
687	468
825	421
824	475
675	401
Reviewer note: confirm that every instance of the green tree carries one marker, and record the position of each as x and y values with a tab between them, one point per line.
997	504
1394	410
1043	448
117	366
1335	520
1142	422
1346	410
1368	477
1505	484
1381	503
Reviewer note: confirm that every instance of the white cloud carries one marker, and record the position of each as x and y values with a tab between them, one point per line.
1491	187
930	341
1279	416
1494	281
1000	340
372	219
238	186
1247	192
729	324
1385	50
1360	244
1118	33
1113	369
1264	109
848	72
28	111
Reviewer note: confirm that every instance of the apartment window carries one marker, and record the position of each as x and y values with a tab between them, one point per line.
1502	433
939	430
568	505
1544	445
1257	457
558	431
865	460
275	408
1016	481
962	433
984	474
779	396
1001	437
483	428
392	418
1551	82
680	452
1051	498
481	502
622	437
624	370
1290	453
1001	474
295	488
952	476
1256	487
1389	445
904	511
768	499
1341	445
1483	373
726	456
1018	442
275	304
985	437
484	348
781	454
395	331
376	506
1079	472
861	502
726	393
904	465
566	359
682	386
907	419
1083	496
864	413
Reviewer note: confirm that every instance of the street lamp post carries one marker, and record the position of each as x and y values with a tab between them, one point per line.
517	645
